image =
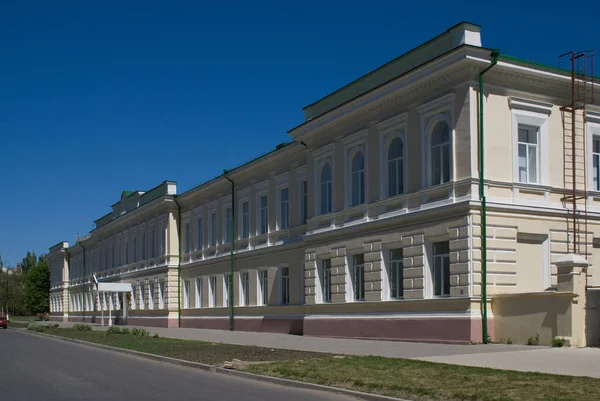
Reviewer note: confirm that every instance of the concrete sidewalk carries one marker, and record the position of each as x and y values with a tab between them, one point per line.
564	361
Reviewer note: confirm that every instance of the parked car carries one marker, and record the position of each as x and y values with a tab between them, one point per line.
3	322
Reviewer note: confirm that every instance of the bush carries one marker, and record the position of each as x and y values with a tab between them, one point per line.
509	341
155	336
125	331
38	328
31	324
558	342
535	340
139	332
82	327
114	330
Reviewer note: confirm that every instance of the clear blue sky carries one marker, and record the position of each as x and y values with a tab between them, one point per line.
92	92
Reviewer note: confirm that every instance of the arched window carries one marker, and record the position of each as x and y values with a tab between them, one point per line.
440	153
326	189
395	167
358	179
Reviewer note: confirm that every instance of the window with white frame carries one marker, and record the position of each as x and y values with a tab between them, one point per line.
596	162
227	293
153	243
325	280
326	189
144	246
304	201
151	295
163	240
134	249
263	226
112	255
212	238
126	251
133	297
119	254
142	296
528	138
358	179
244	289
395	167
440	165
441	268
212	289
228	225
187	237
245	220
186	294
263	287
161	294
198	293
284	281
396	273
199	234
284	208
358	276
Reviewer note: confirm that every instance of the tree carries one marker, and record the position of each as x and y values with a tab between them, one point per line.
37	286
29	261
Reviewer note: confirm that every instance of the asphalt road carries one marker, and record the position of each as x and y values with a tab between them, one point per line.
37	368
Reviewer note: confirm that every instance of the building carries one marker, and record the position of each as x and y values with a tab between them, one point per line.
369	223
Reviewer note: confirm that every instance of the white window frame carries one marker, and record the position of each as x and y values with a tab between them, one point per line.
199	233
263	288
187	236
186	293
353	144
245	220
227	281
214	229
354	269
322	156
244	288
199	292
390	129
227	225
283	220
432	278
212	291
151	295
161	294
323	266
433	112
532	114
592	131
133	296
284	284
528	146
142	289
259	209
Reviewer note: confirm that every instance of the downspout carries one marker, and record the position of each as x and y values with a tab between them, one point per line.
485	334
178	261
231	255
84	299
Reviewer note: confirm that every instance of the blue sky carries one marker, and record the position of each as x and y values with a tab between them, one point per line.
92	92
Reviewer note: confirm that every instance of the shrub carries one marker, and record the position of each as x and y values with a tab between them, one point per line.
535	340
114	330
558	342
31	324
155	336
54	326
125	331
139	332
38	328
509	341
82	327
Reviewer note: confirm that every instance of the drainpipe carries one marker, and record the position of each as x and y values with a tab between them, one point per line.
231	255
486	338
178	261
69	282
83	301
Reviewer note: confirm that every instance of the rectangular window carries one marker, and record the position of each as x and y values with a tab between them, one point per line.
528	154
126	252
144	246
358	276
228	225
153	244
227	295
134	250
596	163
198	293
396	273
263	284
151	296
441	268
163	240
213	230
161	294
187	237
326	280
199	234
212	289
133	294
245	289
264	215
285	285
186	294
304	200
142	296
119	254
245	220
284	208
112	255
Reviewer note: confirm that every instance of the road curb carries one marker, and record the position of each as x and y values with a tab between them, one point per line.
223	371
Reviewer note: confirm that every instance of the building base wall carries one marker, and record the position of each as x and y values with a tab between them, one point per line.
256	324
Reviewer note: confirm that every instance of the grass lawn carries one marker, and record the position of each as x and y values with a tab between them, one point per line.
426	381
195	351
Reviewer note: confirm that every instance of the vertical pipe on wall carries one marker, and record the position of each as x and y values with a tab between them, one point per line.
83	298
485	334
232	256
179	246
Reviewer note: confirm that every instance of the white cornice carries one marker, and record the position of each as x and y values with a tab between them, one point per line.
530	105
392	123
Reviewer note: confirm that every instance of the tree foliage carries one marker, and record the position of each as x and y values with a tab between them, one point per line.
29	261
37	286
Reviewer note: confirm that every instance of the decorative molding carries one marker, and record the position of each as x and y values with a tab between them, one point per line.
530	105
